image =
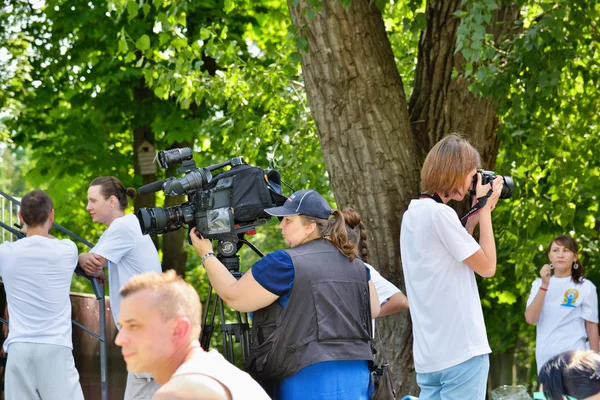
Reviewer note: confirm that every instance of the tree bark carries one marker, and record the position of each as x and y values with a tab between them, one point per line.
357	101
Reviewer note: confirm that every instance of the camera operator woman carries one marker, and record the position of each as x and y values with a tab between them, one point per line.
392	300
440	258
564	305
312	305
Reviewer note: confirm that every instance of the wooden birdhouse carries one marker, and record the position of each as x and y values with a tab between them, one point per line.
146	153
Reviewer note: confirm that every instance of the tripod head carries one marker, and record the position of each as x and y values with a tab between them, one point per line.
227	253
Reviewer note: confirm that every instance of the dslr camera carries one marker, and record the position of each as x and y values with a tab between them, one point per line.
221	207
487	177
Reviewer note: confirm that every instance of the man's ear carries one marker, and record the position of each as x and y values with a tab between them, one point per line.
181	329
21	217
51	216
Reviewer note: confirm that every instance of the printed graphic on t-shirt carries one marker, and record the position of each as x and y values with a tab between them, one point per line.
570	298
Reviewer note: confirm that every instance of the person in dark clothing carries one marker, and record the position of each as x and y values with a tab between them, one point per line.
572	375
312	304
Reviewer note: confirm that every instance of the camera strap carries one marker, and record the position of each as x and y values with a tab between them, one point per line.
431	196
481	202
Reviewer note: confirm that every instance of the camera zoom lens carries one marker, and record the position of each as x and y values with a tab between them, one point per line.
507	187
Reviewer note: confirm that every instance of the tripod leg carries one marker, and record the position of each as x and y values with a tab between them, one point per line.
244	335
208	328
228	335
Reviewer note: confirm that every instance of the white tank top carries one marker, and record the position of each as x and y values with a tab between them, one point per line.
213	364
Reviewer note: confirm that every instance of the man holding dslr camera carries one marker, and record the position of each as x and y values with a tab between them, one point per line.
440	259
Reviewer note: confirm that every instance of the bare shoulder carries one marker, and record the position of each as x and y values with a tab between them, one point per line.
188	387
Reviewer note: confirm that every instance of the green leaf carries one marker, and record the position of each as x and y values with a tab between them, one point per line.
146	9
182	19
161	93
179	43
132	9
123	45
228	6
301	43
205	33
296	57
143	43
130	57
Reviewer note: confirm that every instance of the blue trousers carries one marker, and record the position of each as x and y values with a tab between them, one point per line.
467	380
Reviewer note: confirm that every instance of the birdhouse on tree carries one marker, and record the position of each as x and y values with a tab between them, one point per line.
146	153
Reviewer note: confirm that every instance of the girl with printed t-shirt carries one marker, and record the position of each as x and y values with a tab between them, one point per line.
440	258
564	305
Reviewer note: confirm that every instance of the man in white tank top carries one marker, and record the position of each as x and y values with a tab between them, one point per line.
159	324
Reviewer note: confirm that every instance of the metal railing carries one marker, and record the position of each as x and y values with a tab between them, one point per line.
9	207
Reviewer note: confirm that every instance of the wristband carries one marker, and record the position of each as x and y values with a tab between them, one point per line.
204	257
543	288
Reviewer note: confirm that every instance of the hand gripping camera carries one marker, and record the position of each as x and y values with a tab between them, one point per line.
487	177
220	207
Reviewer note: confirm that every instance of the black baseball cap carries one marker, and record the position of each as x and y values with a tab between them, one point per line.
303	202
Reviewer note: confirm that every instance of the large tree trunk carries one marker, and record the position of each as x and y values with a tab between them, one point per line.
372	145
357	100
439	104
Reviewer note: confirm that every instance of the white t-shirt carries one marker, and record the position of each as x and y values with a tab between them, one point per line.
561	325
128	252
448	326
385	289
37	273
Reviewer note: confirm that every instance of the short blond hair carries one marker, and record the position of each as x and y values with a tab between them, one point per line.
447	165
174	296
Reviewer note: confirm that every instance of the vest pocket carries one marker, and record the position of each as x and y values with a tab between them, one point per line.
342	309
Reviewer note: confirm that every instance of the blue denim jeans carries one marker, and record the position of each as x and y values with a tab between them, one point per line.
467	380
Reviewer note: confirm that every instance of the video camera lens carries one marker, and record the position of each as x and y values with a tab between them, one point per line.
166	158
160	220
192	181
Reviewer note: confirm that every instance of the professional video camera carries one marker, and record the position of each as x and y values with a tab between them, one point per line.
487	177
220	207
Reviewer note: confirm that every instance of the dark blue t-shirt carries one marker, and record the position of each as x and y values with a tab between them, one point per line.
275	272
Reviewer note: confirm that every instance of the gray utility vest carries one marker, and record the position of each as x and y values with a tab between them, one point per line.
327	317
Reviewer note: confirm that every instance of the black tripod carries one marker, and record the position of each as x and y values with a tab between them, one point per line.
239	331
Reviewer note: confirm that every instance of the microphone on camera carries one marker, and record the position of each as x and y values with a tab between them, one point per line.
151	187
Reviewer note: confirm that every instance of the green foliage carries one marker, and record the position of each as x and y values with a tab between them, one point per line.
238	66
404	21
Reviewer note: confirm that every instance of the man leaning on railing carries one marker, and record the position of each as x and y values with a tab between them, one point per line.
36	272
